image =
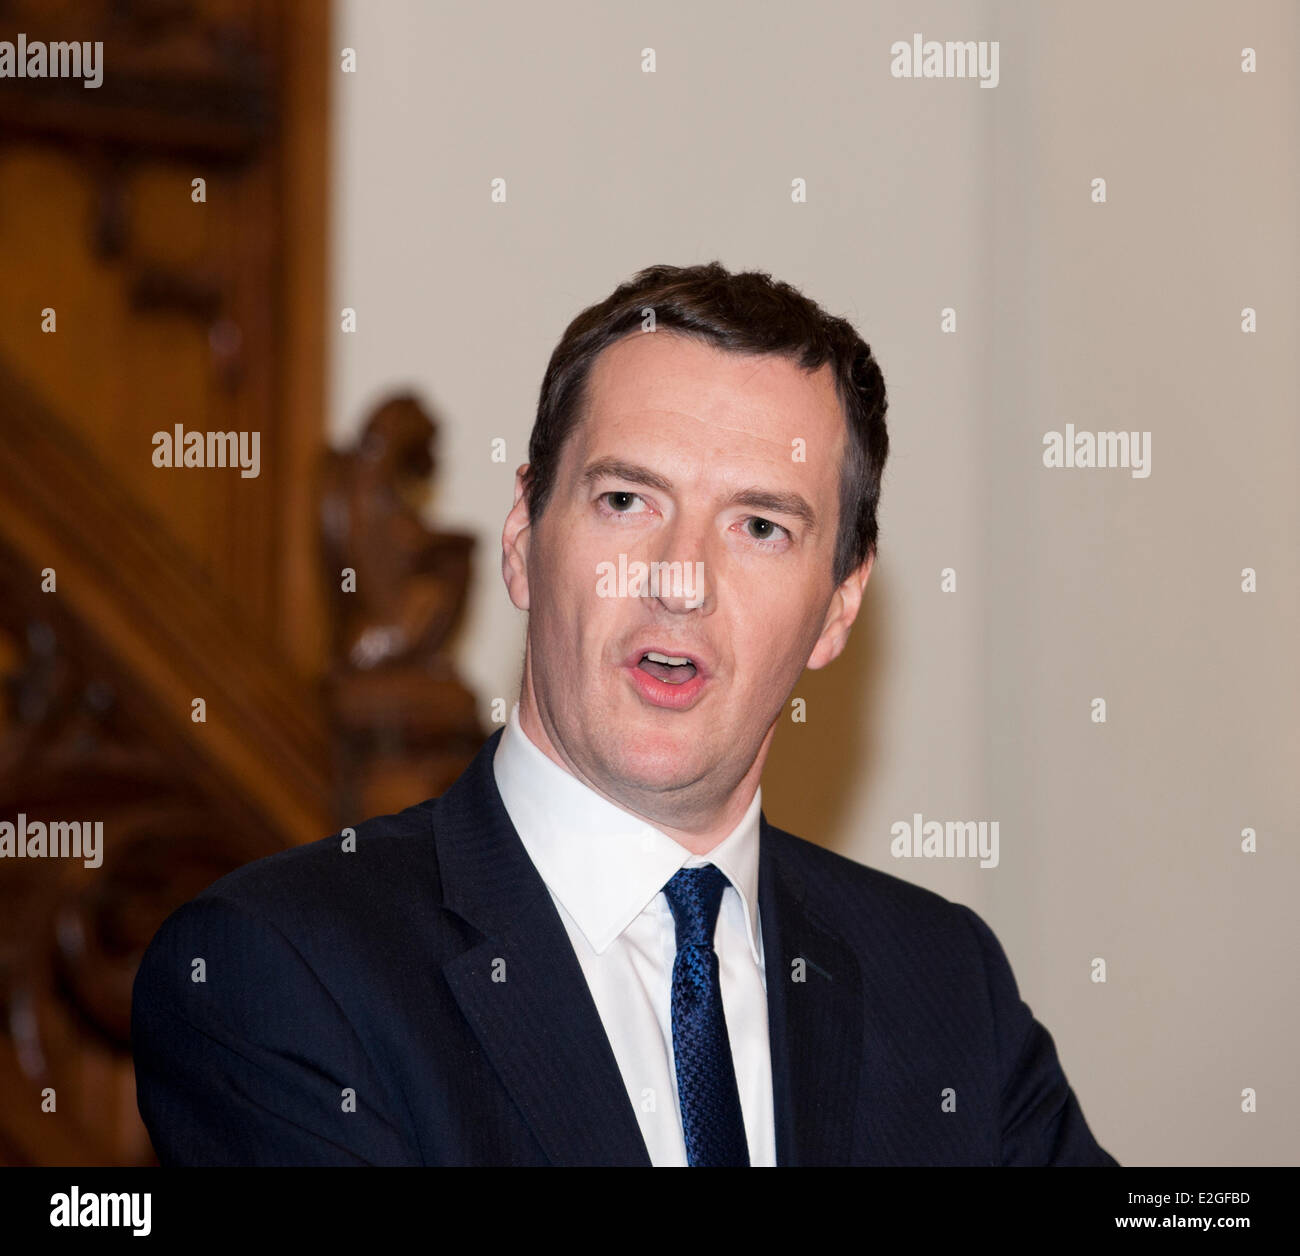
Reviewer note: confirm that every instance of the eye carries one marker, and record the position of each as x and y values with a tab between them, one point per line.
763	529
620	502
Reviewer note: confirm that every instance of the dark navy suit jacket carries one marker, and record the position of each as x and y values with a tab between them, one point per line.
350	1015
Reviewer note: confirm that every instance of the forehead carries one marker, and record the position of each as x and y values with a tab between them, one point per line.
711	397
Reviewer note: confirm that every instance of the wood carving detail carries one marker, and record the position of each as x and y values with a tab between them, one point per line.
403	716
80	740
73	929
168	586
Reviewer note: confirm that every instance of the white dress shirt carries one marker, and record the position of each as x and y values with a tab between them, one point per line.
605	869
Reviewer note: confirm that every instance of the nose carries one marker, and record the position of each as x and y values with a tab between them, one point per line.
680	576
681	587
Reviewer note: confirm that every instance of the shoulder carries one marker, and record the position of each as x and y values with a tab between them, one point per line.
322	899
844	891
377	854
900	929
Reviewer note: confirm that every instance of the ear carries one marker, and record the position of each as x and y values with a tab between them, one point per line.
843	610
514	544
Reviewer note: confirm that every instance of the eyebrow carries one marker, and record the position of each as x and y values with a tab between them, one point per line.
793	505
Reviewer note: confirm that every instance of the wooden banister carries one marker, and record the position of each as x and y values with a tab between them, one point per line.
165	633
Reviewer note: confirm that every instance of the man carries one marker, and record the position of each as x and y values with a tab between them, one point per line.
594	949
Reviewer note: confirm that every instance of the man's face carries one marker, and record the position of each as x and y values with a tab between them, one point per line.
687	454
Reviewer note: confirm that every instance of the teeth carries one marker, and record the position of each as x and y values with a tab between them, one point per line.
666	658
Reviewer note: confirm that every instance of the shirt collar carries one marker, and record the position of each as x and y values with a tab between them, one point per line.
604	864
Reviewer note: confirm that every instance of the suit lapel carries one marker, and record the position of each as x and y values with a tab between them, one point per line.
539	1026
522	989
815	1015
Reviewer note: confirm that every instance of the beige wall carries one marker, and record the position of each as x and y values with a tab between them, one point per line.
1119	840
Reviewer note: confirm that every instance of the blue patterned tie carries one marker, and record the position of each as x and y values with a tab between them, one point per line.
706	1076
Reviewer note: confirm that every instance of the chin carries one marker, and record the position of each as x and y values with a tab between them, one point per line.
658	761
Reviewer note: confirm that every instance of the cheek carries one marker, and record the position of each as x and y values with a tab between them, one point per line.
775	632
574	620
558	576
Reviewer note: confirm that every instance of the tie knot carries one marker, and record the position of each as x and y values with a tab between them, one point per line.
694	895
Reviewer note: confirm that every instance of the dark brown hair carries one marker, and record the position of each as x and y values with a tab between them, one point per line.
749	313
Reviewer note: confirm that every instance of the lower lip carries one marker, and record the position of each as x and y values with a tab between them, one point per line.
661	694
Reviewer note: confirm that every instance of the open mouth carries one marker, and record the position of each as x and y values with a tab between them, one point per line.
669	668
671	682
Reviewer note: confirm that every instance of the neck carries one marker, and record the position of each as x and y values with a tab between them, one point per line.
699	827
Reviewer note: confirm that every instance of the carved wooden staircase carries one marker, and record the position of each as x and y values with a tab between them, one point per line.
109	631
